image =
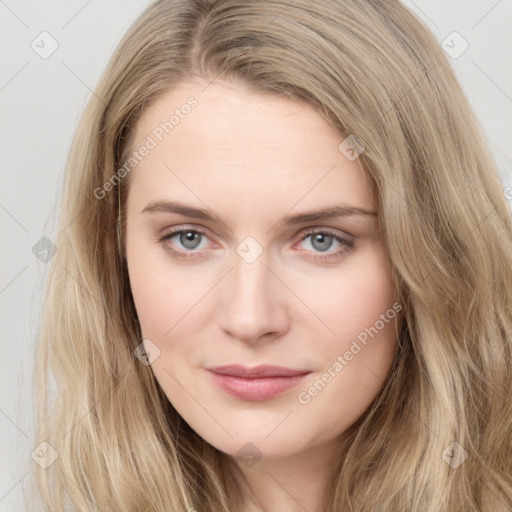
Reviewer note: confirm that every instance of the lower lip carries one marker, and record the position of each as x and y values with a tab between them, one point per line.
256	389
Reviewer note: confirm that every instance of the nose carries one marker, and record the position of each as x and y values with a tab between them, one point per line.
253	304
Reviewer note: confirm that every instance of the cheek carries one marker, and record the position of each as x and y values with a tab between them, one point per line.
163	292
359	313
353	299
150	290
362	312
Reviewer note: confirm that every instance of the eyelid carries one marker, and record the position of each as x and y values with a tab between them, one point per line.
329	231
302	233
169	232
342	237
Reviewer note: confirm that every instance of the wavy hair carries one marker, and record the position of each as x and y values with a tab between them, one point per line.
373	70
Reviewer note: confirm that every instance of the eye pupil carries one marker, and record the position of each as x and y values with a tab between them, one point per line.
321	238
189	239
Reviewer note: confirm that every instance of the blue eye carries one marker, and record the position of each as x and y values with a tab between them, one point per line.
188	238
322	241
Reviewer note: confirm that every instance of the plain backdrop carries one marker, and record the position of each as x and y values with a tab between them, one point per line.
41	100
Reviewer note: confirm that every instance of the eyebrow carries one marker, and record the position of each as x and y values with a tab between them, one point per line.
197	213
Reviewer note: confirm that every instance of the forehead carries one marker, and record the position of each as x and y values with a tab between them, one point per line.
228	116
223	140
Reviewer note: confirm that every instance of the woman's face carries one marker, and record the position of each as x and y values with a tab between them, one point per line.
258	275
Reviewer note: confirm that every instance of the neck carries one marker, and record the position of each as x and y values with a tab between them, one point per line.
294	483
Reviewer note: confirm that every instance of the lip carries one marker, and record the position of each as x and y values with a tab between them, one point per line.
258	383
263	370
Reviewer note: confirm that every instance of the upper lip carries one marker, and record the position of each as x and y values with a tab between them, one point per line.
264	370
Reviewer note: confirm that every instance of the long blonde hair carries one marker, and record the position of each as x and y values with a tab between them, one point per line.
373	70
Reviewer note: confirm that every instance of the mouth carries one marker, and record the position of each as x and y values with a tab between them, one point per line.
256	384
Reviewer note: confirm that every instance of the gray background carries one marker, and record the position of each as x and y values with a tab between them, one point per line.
41	100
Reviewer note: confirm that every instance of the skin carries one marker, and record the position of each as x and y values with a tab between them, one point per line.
252	158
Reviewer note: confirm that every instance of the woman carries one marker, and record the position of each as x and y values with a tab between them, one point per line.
283	273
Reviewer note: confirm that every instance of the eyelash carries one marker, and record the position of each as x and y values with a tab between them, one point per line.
348	244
